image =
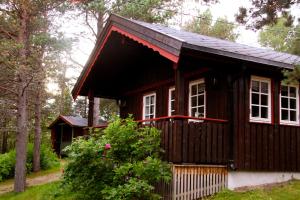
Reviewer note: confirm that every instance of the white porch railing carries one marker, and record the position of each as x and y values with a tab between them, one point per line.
194	182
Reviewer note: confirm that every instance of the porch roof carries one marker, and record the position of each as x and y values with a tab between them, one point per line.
169	42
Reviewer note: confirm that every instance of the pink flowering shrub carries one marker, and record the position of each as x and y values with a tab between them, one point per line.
120	162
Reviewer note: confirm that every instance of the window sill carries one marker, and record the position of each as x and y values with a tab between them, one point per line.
260	122
289	124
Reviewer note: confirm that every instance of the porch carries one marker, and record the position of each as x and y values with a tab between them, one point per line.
193	140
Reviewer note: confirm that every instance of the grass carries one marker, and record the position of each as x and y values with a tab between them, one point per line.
37	174
287	191
41	192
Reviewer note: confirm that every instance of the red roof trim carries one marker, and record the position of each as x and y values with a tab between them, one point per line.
161	51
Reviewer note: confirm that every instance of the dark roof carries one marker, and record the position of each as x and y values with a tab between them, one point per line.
173	41
224	47
75	121
71	120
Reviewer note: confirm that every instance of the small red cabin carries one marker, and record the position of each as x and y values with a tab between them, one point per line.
64	129
218	103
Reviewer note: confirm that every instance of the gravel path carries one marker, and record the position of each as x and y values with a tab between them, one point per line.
33	181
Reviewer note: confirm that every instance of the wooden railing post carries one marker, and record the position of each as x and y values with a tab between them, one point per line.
179	110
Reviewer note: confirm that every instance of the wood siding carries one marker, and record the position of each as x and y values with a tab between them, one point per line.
262	146
195	142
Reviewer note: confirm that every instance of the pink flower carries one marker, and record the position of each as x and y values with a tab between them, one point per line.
107	146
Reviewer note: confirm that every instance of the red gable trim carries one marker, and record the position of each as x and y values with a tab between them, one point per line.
161	51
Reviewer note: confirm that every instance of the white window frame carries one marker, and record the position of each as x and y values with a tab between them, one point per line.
144	104
288	122
171	89
195	82
269	107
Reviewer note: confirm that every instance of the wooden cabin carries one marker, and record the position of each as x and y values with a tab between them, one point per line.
64	129
218	103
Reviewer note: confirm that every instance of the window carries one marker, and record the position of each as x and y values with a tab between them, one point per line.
171	107
289	100
260	99
149	106
197	98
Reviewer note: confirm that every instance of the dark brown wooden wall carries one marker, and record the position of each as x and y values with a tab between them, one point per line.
259	146
199	143
216	94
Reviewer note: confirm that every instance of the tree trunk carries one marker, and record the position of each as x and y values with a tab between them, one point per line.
22	133
96	110
37	130
4	141
21	140
4	135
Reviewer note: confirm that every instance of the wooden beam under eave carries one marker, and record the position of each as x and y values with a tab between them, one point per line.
91	108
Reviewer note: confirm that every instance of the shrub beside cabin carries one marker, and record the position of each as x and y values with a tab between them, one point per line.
219	104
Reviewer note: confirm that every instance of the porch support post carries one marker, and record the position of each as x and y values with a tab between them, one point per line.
179	110
91	108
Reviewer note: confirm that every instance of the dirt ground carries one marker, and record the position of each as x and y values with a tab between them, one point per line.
33	181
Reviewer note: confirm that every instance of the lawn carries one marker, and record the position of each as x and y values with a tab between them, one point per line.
288	191
41	192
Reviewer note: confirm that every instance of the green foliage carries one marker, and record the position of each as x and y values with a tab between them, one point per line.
7	163
128	170
145	10
292	77
8	160
203	24
279	37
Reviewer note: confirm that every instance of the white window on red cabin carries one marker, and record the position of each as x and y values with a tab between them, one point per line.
171	102
149	106
289	101
260	99
197	98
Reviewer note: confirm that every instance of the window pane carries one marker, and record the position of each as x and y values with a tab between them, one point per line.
264	112
172	105
201	88
255	86
264	87
194	110
152	99
194	101
194	90
284	102
264	99
255	98
293	115
255	111
147	110
151	109
292	91
284	91
201	111
147	100
200	100
173	94
293	103
284	115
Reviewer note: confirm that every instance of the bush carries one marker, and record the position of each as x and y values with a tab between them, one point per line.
8	160
127	170
7	164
